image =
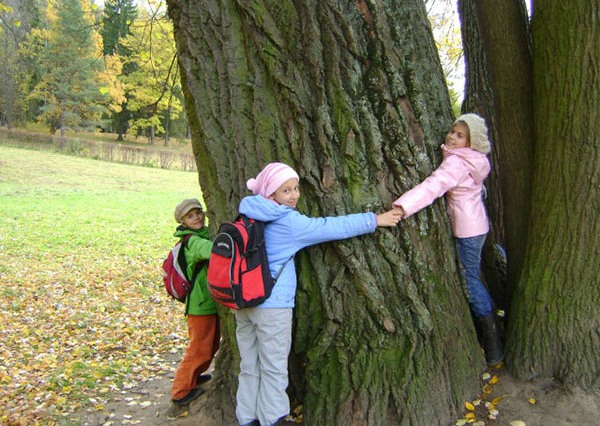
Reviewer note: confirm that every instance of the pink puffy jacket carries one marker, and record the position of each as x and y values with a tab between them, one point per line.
460	177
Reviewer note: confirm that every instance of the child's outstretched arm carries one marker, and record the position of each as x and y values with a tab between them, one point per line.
447	176
389	218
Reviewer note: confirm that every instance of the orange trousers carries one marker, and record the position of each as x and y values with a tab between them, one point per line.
204	336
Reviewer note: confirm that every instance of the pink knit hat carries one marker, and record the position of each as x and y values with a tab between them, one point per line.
271	178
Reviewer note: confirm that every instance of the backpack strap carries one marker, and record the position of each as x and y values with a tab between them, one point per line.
247	222
195	272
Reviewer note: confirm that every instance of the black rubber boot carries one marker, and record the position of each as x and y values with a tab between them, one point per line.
491	339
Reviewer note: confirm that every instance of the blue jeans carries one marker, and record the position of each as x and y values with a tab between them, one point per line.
469	256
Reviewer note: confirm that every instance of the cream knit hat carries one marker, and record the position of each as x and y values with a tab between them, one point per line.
478	132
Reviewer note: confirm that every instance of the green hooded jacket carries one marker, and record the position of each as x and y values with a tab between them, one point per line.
198	249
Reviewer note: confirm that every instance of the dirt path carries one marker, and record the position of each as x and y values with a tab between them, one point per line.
541	403
149	404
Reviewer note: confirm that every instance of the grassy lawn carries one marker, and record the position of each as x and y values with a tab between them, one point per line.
82	309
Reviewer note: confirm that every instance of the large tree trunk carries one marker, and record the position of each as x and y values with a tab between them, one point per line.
352	95
557	317
499	88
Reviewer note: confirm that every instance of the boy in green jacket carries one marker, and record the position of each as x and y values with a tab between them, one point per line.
202	318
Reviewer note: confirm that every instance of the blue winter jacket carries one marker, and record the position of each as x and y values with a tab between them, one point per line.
289	231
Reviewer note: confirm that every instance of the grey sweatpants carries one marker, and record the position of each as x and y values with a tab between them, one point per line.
264	338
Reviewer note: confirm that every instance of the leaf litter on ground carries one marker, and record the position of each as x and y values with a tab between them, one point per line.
72	331
82	309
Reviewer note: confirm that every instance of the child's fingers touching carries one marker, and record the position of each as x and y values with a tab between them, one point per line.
389	218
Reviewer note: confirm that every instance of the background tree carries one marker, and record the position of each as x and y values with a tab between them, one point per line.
110	78
353	96
117	19
556	316
17	71
154	91
446	31
70	60
8	43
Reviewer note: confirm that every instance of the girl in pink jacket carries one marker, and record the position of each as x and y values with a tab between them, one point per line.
460	177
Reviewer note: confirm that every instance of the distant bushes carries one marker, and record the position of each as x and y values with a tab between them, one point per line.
124	152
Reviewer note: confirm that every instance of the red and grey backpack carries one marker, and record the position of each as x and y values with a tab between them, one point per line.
238	269
175	278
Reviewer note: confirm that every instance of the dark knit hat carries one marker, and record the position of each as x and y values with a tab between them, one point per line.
478	132
184	208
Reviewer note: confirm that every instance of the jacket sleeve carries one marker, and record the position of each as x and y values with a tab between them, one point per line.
198	249
447	176
308	231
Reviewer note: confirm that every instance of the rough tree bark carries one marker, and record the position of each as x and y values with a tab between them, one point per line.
499	87
352	95
555	331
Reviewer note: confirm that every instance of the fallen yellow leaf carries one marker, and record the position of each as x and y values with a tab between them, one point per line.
469	406
532	401
497	400
495	379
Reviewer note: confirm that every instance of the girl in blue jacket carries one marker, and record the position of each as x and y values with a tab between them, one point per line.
264	333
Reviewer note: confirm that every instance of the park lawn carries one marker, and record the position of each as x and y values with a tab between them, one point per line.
82	309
